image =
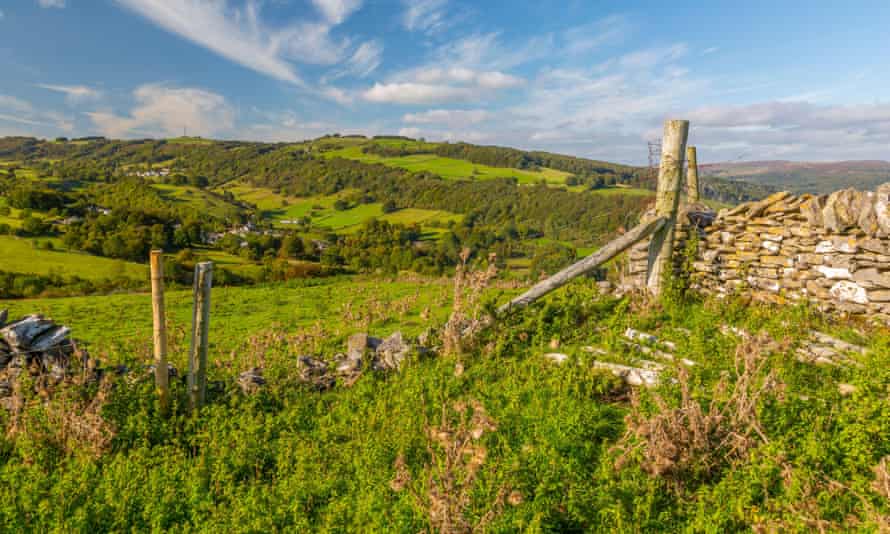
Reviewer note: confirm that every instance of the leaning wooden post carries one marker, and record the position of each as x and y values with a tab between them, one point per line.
162	380
693	191
197	380
667	199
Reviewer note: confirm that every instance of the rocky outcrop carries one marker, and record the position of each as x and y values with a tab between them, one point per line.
36	344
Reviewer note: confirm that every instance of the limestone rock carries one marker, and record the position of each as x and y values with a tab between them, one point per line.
251	381
879	295
812	211
391	352
838	214
835	273
314	371
872	277
868	219
846	291
19	334
882	208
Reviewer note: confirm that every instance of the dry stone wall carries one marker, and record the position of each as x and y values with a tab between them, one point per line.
833	250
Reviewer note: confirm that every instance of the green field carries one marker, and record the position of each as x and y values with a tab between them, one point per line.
239	312
320	209
19	255
230	262
455	169
621	190
199	200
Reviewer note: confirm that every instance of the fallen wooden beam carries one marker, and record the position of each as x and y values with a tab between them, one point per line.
614	248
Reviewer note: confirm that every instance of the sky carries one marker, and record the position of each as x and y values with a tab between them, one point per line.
757	80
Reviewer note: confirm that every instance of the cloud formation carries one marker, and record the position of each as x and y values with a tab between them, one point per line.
364	61
417	93
428	16
464	70
168	111
46	4
336	11
448	117
786	129
73	93
19	111
241	35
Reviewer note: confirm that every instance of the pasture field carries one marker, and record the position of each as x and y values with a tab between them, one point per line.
19	255
14	219
199	200
320	209
238	312
449	168
230	262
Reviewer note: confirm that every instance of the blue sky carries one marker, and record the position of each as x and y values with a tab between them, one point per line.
758	80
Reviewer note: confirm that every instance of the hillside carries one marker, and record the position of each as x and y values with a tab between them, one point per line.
273	212
500	436
804	177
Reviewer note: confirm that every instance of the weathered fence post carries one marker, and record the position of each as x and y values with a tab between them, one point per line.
693	190
667	199
197	380
160	329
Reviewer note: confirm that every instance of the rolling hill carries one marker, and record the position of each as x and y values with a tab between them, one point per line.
804	176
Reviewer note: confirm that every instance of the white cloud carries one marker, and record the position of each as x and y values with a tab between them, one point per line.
73	93
2	14
449	117
240	35
709	50
460	75
426	16
167	111
793	129
417	93
336	11
410	132
46	4
460	71
651	57
365	60
20	111
589	37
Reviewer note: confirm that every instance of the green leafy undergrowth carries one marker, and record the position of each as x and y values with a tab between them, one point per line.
359	458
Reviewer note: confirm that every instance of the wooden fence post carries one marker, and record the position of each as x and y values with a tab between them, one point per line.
162	381
667	200
693	190
197	380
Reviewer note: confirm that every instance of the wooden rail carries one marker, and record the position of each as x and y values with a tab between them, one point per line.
614	248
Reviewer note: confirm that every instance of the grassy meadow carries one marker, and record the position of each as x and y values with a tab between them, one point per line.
500	438
450	168
320	209
20	255
199	200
